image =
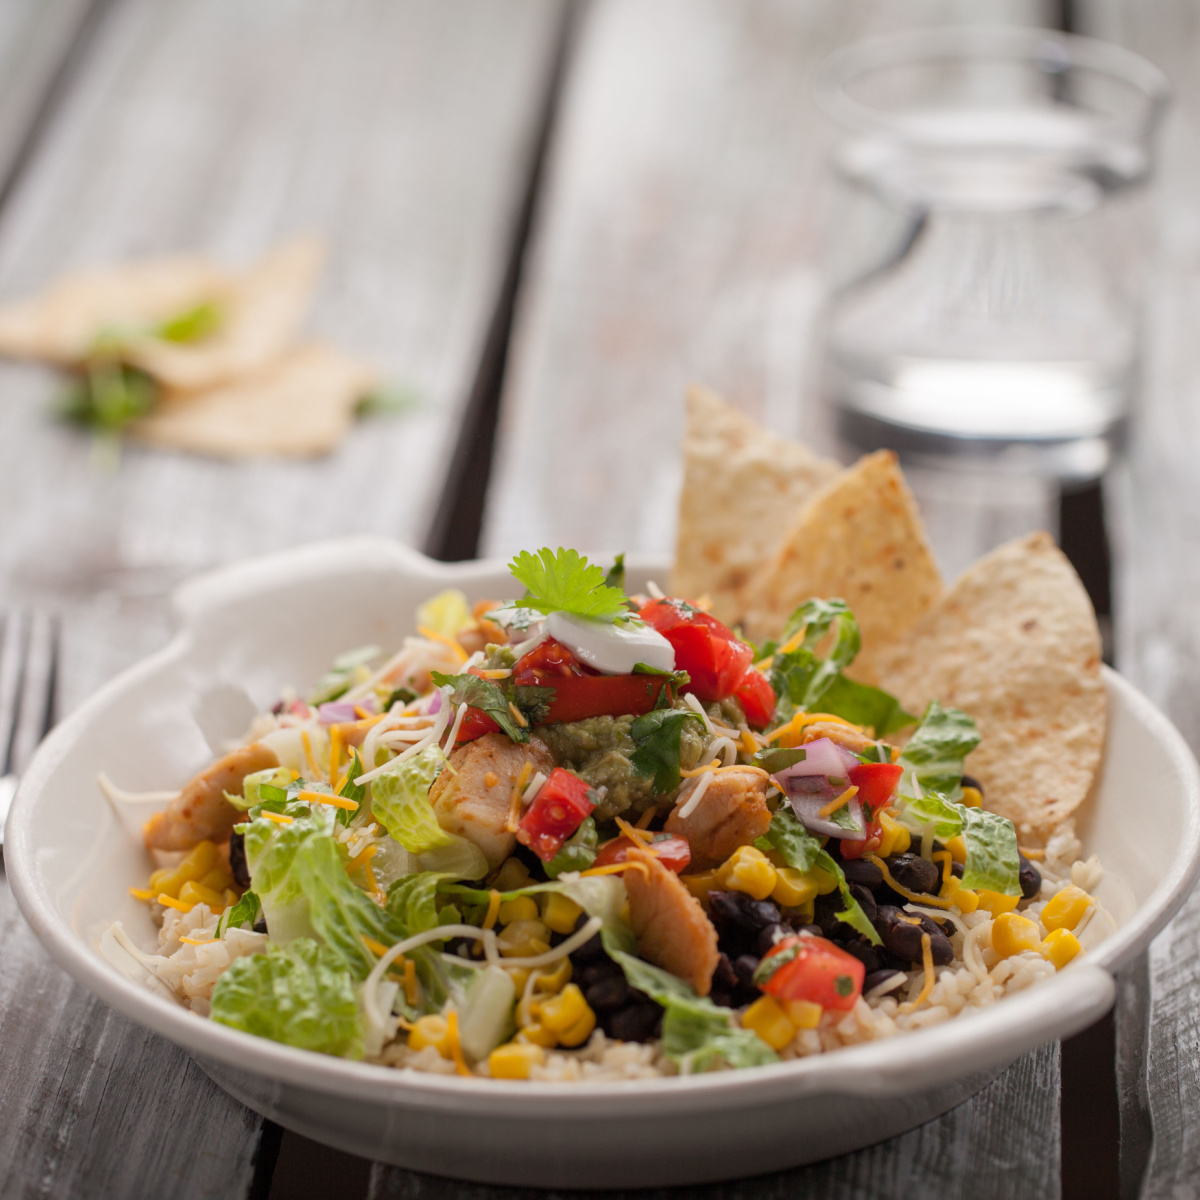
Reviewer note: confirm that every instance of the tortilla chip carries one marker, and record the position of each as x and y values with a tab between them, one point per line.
300	405
1015	644
62	324
742	487
261	315
261	311
860	537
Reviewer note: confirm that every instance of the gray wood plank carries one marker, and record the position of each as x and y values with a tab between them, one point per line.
974	1150
398	129
1157	580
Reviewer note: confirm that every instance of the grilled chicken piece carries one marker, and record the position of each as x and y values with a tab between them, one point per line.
201	811
849	736
474	798
731	813
671	927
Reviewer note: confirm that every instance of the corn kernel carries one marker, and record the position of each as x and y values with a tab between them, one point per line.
513	874
560	913
701	884
430	1031
793	888
825	880
196	893
972	797
524	939
564	1011
747	870
770	1022
958	849
515	1060
218	879
1060	946
893	837
550	983
966	900
523	908
1013	933
201	859
996	902
520	977
1066	909
538	1035
804	1014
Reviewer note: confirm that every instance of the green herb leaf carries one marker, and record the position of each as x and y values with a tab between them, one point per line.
487	696
534	702
564	581
777	758
401	695
616	574
300	994
350	789
578	852
192	325
675	679
656	736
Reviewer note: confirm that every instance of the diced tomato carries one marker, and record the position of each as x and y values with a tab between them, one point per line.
707	650
579	696
875	782
811	968
546	662
673	852
557	811
757	698
475	724
868	845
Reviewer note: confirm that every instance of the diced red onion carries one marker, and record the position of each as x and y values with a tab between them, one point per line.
808	794
821	757
335	712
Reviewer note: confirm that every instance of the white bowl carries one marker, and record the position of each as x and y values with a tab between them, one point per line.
249	630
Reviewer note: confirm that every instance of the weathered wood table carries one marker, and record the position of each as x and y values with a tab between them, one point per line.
546	218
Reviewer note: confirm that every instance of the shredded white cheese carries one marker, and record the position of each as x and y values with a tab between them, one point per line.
697	795
697	707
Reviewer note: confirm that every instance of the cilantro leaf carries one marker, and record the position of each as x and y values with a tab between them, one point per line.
656	736
488	697
534	702
350	790
616	574
564	581
578	851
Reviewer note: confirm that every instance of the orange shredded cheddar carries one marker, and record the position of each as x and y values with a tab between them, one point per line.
635	833
518	715
932	901
617	868
441	638
170	902
187	941
335	751
493	909
927	986
308	754
711	765
946	859
749	745
376	948
838	801
141	893
410	982
278	818
644	820
361	713
1031	854
323	798
514	804
456	1053
496	673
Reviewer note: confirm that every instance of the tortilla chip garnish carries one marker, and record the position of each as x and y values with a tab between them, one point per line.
138	313
62	324
260	315
300	405
742	487
859	538
1015	644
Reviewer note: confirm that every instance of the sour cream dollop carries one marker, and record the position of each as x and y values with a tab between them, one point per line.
612	649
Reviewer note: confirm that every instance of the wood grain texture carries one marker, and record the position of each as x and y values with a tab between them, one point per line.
974	1152
397	129
680	238
1158	579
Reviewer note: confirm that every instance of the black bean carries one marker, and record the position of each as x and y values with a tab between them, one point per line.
885	915
903	940
722	997
1030	877
858	870
591	951
915	873
608	994
593	972
865	900
725	976
932	926
956	869
865	953
260	926
737	910
971	781
875	978
825	913
238	867
744	967
815	930
942	951
771	935
636	1023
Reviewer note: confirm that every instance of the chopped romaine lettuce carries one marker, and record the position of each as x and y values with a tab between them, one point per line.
271	850
241	915
400	802
578	851
274	779
933	758
300	994
697	1035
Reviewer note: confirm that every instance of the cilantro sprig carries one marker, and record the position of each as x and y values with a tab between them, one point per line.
564	581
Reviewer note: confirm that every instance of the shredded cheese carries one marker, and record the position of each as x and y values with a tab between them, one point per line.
946	859
187	941
376	948
456	1053
308	754
933	901
335	752
888	985
442	640
323	798
709	768
838	802
460	716
690	805
635	833
496	673
278	818
530	794
170	902
927	986
798	723
940	915
410	982
698	708
514	803
141	893
518	715
616	869
644	820
493	909
749	745
1031	854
